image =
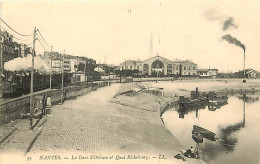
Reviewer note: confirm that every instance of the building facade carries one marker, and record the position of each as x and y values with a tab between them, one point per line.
207	73
161	66
7	51
131	65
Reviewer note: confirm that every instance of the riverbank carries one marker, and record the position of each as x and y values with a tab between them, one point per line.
103	125
93	126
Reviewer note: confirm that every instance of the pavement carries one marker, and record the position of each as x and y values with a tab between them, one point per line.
104	127
94	125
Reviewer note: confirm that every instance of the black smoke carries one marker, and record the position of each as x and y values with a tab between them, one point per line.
228	24
232	40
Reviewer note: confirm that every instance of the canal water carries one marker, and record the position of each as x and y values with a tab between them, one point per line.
236	124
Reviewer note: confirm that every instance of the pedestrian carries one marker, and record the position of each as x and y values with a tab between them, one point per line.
192	149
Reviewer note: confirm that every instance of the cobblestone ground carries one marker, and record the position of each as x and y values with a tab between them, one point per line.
92	124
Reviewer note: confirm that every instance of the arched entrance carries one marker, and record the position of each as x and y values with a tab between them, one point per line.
157	66
145	69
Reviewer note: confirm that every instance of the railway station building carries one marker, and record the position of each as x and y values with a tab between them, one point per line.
163	66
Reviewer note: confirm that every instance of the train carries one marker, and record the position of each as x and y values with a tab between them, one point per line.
20	84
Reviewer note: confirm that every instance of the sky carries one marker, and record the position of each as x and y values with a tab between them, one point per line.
114	31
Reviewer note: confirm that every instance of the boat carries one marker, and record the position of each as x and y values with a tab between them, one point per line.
199	132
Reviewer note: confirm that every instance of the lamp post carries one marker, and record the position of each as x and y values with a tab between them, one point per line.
50	74
142	73
62	77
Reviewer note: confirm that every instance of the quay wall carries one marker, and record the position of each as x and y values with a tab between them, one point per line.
17	107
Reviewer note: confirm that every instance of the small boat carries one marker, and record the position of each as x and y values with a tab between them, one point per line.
199	132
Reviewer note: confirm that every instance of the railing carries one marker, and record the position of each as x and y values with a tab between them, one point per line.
15	108
174	103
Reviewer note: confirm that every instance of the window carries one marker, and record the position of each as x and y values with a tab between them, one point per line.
189	67
194	68
184	68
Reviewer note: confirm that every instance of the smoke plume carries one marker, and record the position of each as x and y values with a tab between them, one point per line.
228	24
25	63
232	40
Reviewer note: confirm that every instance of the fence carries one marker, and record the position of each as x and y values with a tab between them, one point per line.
15	108
174	103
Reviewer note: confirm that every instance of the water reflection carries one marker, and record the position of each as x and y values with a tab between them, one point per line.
227	141
187	106
227	120
249	98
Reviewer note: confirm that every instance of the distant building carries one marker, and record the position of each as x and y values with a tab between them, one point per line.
131	65
250	73
207	73
25	50
56	62
100	70
162	66
17	49
188	68
7	51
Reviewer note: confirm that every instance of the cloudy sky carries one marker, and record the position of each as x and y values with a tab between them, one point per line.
121	30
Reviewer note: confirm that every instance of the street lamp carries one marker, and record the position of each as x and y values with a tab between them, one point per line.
62	76
142	73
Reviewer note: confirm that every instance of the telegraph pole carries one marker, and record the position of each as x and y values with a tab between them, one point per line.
32	72
62	77
51	67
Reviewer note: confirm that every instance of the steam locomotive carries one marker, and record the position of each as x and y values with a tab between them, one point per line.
19	84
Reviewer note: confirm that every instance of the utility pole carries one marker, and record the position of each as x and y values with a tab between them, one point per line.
32	72
51	66
62	77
